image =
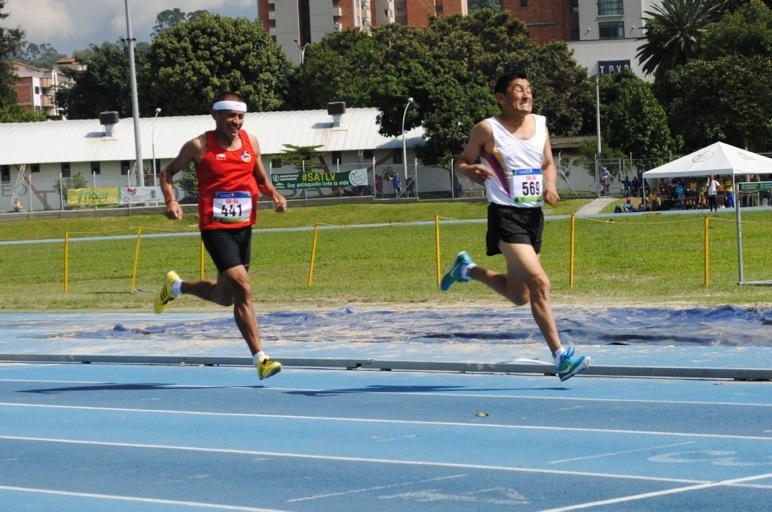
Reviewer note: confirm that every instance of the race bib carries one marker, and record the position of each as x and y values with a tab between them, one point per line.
232	207
526	185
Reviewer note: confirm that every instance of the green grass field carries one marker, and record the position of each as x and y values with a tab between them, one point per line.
625	260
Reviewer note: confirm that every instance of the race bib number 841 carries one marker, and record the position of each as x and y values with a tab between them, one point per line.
232	207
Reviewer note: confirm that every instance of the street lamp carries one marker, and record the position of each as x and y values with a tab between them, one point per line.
302	50
152	139
404	146
134	100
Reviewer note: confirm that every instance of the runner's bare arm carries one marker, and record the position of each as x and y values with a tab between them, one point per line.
480	143
550	174
191	152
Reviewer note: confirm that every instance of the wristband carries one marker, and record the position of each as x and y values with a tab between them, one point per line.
170	200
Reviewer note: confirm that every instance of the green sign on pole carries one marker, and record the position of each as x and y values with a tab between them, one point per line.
755	185
292	181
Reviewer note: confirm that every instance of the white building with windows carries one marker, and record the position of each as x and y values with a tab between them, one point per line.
609	32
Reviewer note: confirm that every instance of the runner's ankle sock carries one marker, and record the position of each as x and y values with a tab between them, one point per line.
177	288
466	270
556	356
256	357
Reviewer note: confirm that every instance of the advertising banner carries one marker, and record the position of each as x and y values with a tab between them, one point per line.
141	195
92	196
292	181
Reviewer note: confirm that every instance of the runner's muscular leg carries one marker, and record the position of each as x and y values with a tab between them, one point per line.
232	288
508	285
530	280
239	289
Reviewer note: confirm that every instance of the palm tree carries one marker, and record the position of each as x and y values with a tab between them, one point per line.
672	33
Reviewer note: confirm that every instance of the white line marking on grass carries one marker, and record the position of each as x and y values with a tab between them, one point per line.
214	506
389	421
637	497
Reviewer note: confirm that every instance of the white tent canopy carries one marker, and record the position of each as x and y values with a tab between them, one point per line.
719	158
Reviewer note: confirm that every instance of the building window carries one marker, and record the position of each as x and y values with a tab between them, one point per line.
611	30
96	168
438	9
337	157
574	34
523	4
397	157
37	89
276	163
125	167
610	7
5	174
65	169
368	154
573	5
35	168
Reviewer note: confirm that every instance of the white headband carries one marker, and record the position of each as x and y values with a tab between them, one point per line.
238	106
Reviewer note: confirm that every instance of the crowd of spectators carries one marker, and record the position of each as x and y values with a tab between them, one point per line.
689	193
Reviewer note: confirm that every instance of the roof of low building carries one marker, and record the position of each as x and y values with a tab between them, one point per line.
85	140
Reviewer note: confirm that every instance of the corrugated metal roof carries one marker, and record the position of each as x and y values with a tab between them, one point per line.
84	140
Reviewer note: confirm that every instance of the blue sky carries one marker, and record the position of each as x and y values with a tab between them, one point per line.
71	25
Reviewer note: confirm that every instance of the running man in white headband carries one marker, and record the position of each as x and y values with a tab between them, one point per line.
237	106
230	176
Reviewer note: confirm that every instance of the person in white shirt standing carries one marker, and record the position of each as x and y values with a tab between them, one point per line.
712	193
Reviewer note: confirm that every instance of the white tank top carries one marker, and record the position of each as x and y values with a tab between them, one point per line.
516	165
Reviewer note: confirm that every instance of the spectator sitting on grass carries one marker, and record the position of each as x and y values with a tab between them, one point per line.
628	206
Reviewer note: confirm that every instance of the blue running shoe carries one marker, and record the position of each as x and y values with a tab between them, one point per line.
457	272
570	365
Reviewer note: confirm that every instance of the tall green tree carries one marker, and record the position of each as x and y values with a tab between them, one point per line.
672	32
476	5
105	83
39	55
340	67
633	121
18	114
452	80
448	68
723	93
192	62
11	40
171	17
747	31
300	156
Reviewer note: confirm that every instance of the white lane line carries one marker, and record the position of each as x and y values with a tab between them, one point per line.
389	421
214	506
411	393
255	453
377	488
656	494
614	454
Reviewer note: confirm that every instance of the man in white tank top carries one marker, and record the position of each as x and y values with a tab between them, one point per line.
511	155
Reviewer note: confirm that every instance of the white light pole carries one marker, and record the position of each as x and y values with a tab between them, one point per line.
597	130
302	50
134	101
404	146
152	139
